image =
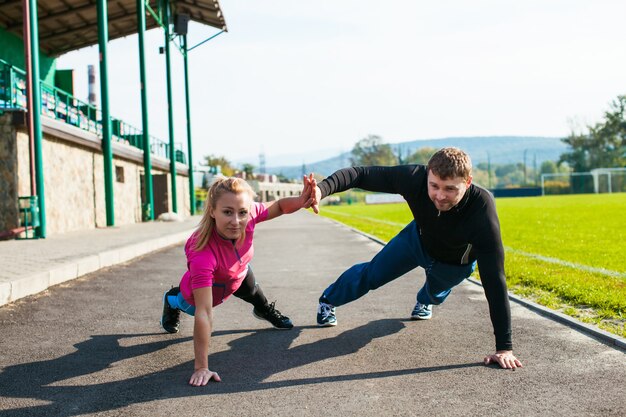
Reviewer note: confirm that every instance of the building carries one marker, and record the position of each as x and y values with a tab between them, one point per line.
67	165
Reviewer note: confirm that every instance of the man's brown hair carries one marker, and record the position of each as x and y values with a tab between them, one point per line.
449	163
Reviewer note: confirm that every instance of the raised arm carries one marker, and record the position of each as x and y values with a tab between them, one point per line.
202	328
289	205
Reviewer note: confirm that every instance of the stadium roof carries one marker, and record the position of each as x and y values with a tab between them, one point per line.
67	25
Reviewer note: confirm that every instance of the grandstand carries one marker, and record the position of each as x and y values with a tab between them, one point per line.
68	165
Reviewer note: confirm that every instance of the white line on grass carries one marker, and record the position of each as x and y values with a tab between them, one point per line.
566	263
371	219
516	251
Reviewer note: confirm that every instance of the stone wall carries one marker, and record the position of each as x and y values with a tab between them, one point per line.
73	169
68	183
8	179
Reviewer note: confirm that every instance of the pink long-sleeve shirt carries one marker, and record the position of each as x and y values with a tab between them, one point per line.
220	264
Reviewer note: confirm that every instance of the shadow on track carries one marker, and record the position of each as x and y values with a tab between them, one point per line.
250	360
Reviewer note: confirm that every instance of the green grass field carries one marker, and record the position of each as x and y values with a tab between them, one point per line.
565	252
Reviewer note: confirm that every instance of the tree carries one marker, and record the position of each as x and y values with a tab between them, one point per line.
372	151
481	177
505	169
249	170
548	167
224	164
421	156
282	178
402	154
604	145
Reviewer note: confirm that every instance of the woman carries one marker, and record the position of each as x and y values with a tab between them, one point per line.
218	256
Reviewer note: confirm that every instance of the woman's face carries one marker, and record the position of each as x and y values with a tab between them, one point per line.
231	214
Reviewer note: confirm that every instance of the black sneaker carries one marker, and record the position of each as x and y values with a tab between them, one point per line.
170	320
273	316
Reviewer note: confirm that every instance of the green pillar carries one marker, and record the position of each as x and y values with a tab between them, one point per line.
36	106
192	193
147	163
170	116
107	153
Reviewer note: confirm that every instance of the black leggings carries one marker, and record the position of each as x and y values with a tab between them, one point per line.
251	292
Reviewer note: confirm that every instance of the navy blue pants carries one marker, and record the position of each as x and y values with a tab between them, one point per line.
402	254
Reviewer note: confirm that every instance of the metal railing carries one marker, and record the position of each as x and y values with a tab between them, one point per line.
60	105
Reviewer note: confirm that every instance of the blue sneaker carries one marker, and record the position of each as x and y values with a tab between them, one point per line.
326	315
422	311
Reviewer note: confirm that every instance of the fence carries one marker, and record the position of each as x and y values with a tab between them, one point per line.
60	105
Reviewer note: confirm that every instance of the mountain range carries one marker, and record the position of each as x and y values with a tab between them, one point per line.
496	150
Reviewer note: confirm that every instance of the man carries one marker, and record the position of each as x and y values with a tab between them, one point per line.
455	225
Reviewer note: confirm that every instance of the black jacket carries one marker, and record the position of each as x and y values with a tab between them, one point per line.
468	232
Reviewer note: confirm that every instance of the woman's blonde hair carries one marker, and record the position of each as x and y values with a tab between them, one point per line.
216	191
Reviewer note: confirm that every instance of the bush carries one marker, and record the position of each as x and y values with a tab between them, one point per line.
556	187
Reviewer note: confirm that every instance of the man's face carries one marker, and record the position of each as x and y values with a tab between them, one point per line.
447	193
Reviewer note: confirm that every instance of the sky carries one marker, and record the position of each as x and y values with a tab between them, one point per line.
302	81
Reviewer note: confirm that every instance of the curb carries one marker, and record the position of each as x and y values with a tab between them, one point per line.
40	281
604	336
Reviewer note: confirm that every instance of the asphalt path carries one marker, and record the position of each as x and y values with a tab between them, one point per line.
93	346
